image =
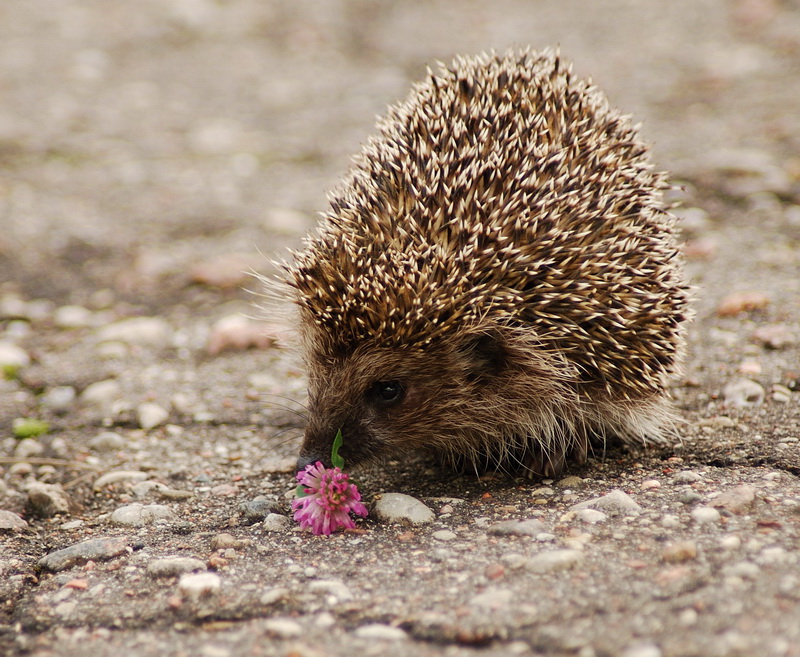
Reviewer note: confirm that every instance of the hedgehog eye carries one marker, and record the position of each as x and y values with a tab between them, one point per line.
386	393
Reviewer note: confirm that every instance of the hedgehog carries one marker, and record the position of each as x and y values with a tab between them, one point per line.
497	280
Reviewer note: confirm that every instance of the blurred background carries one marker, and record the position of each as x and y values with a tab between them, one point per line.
148	145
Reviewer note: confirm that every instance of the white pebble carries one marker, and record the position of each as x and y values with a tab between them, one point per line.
555	560
378	632
117	476
136	515
107	441
199	585
101	393
705	514
393	507
284	628
143	331
67	317
743	393
643	650
275	522
13	356
150	415
444	535
591	516
616	502
59	398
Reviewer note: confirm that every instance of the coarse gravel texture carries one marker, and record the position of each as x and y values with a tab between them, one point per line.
153	151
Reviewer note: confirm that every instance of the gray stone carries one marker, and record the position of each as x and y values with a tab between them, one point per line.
47	499
493	599
591	516
257	509
444	535
743	393
95	549
528	527
614	503
555	560
59	398
275	522
11	521
118	476
107	441
144	331
394	507
173	566
136	515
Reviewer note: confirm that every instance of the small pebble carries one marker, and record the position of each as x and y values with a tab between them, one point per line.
275	522
650	484
556	560
740	302
236	332
271	596
150	415
136	515
444	535
743	393
493	599
686	477
591	516
705	514
68	317
528	527
27	448
256	510
11	521
12	355
225	541
736	500
615	503
107	441
59	398
47	499
731	542
173	566
333	587
394	507
781	394
144	331
282	628
118	476
774	336
642	650
198	585
379	632
95	549
679	552
101	393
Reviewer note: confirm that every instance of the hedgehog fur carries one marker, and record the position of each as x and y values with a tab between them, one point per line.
497	279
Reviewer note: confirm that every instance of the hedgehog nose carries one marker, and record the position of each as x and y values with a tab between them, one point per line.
304	460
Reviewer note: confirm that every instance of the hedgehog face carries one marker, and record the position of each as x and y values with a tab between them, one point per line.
391	401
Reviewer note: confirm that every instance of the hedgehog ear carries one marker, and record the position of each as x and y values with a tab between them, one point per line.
484	356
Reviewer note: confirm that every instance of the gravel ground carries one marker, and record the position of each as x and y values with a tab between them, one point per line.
153	151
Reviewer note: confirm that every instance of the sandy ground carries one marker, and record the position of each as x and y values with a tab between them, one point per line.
151	151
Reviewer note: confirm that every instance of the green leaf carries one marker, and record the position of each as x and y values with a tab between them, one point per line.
336	460
29	427
300	491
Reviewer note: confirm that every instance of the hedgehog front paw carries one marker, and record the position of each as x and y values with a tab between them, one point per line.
549	463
